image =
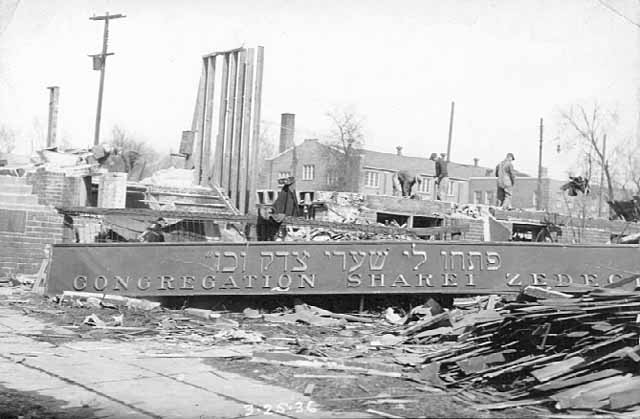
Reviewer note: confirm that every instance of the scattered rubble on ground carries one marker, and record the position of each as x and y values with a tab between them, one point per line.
171	177
566	354
341	233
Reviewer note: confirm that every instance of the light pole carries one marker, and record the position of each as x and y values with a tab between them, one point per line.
539	193
99	63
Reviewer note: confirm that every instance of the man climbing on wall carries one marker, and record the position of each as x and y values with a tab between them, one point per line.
505	181
404	181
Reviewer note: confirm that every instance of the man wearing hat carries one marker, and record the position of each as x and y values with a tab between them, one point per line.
441	172
505	181
153	233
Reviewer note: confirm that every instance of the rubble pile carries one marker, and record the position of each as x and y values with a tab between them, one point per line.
578	351
572	353
341	234
171	177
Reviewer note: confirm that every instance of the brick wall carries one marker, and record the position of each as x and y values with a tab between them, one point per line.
56	189
48	186
586	235
476	230
24	240
399	205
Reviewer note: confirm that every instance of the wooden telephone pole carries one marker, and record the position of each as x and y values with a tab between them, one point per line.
539	193
453	107
99	63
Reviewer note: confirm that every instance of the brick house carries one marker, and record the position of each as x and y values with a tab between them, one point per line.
482	190
315	167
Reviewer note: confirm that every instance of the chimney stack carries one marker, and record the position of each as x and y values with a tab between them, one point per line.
52	128
287	129
475	161
399	150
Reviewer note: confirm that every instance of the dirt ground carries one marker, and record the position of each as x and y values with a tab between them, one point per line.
26	405
337	390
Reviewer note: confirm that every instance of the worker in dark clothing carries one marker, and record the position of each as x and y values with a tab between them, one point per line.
286	204
153	234
441	172
576	184
403	181
506	180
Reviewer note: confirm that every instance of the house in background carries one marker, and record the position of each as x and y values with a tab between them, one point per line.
319	167
482	190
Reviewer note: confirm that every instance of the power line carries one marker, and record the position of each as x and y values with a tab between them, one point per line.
622	15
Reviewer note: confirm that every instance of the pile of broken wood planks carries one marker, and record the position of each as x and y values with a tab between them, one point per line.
576	350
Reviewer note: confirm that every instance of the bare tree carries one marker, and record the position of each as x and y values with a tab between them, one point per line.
628	169
38	134
266	150
124	141
347	138
7	139
589	128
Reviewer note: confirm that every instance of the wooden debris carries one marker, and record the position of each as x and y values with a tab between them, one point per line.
133	303
564	383
538	292
308	389
573	347
626	398
383	414
509	405
556	369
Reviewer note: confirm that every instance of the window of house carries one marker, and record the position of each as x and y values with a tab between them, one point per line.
425	185
308	172
488	198
371	179
283	175
477	197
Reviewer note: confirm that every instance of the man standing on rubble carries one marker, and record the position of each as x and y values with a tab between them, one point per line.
505	181
286	204
153	233
441	172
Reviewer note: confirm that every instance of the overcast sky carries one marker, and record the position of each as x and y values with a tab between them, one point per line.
506	63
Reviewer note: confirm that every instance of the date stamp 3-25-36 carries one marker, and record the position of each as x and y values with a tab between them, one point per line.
273	409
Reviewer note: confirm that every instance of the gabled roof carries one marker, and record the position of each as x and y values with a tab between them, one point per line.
418	165
394	162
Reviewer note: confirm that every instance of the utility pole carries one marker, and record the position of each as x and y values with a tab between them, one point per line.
453	105
539	193
603	162
99	63
54	94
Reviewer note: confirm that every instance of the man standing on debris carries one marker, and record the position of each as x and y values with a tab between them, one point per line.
441	172
153	233
286	204
505	181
